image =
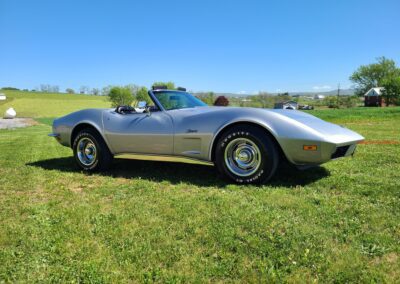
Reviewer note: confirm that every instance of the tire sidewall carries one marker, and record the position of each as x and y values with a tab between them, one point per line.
267	149
87	134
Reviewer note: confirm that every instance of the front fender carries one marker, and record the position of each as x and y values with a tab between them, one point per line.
234	121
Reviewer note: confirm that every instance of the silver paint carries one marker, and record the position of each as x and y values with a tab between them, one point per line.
193	132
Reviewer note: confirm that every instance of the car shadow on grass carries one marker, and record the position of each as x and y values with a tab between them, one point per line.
174	172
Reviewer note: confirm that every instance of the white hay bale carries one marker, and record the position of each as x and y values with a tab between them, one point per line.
2	97
10	113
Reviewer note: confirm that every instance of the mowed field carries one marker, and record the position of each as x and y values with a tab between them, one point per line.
149	221
31	104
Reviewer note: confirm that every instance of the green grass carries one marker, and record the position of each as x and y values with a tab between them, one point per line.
149	221
31	104
358	114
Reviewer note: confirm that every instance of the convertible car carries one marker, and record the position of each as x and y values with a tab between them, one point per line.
245	144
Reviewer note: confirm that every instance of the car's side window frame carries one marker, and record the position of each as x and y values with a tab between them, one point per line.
155	101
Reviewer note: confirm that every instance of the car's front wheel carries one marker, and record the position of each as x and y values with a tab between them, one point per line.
246	154
90	151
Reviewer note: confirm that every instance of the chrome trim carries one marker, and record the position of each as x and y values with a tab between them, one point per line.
242	157
53	135
86	151
161	158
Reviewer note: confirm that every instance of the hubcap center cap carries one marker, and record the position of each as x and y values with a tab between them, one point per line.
244	156
86	151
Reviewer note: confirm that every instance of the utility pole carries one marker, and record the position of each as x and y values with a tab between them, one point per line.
338	95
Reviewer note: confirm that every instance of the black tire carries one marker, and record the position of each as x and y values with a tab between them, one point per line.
101	157
257	144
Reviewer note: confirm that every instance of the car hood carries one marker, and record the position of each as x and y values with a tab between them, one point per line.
330	131
293	118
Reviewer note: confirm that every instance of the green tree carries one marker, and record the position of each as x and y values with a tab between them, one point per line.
208	98
373	75
105	91
391	89
95	91
69	91
133	88
120	96
282	97
264	99
349	101
142	95
221	101
169	85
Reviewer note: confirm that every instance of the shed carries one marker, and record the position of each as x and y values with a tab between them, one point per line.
374	97
287	105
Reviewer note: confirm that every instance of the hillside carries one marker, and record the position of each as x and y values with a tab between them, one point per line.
36	104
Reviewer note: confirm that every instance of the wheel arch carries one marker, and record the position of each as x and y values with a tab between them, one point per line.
262	127
84	125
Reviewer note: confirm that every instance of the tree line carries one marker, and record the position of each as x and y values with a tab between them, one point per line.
383	73
127	95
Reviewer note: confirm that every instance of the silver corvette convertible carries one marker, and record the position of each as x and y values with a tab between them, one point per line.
245	144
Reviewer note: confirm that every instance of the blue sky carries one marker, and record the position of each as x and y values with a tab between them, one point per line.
223	46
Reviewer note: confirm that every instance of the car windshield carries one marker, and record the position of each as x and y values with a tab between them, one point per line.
177	100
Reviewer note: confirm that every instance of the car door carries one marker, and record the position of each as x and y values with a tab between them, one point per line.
139	132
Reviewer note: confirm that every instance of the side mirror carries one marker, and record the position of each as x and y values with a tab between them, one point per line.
143	105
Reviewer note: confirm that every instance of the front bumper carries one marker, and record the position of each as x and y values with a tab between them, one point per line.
325	151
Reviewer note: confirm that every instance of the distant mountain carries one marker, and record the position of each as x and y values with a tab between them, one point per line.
343	92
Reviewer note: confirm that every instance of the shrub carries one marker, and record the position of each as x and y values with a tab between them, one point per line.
331	102
10	89
221	101
169	85
208	98
142	95
69	91
120	96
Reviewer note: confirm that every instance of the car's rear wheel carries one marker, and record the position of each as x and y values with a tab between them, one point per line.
90	151
246	154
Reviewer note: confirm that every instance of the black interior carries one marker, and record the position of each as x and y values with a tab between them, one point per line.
125	109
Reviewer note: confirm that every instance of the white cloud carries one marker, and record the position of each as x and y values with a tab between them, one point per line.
322	87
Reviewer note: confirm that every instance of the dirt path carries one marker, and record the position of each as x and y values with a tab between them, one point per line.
16	122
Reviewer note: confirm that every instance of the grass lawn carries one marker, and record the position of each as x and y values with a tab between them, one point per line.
36	104
146	221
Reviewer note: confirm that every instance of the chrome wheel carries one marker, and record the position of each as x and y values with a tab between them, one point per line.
242	157
86	151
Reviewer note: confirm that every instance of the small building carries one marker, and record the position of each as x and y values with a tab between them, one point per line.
287	105
374	97
319	97
2	97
